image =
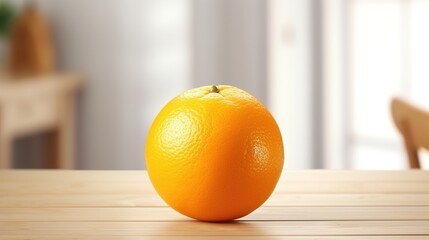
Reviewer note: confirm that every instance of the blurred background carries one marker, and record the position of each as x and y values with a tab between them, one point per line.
326	69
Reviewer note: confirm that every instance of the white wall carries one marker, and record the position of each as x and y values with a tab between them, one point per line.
135	56
290	71
334	67
230	44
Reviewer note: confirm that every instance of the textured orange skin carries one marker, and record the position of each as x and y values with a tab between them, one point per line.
214	156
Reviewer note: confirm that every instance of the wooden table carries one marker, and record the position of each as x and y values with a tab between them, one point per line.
314	204
31	105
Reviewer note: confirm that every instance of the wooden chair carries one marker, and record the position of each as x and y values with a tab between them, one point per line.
413	123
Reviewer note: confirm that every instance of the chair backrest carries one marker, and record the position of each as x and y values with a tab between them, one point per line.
413	123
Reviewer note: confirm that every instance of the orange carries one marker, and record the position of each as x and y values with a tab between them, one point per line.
214	153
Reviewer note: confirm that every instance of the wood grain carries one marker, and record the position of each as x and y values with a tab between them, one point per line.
195	228
375	205
139	182
145	200
78	236
300	187
295	175
265	213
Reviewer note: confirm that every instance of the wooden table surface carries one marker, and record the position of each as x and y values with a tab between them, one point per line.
313	204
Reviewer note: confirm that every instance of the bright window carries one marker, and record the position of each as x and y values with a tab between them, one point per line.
386	49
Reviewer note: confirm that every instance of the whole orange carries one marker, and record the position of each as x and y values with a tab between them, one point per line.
214	153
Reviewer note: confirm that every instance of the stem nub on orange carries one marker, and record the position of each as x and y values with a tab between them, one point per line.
214	153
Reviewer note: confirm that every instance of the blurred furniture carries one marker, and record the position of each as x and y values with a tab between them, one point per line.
413	123
31	44
309	204
34	105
